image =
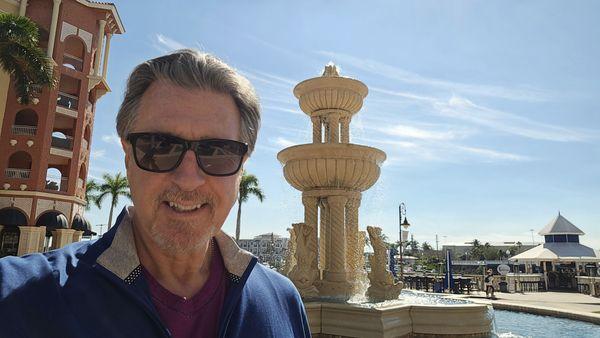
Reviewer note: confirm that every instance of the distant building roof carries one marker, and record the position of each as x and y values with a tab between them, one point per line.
559	252
560	226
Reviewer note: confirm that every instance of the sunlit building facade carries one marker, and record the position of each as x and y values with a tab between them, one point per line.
45	146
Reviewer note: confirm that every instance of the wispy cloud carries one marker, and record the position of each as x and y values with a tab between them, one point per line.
521	93
424	134
464	109
166	44
112	139
97	154
283	142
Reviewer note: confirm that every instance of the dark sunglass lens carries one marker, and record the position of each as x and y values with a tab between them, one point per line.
156	152
220	157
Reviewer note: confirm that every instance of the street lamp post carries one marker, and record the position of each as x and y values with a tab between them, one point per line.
405	224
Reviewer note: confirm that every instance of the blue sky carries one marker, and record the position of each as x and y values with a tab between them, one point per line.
488	110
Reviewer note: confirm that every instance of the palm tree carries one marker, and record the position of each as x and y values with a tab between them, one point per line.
21	57
90	187
115	186
248	186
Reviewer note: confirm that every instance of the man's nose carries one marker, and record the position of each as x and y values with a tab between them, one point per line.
188	176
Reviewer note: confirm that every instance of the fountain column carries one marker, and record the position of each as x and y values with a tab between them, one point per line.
317	130
345	129
323	233
310	219
335	277
333	120
352	233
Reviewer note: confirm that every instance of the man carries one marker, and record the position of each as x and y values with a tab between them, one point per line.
187	124
489	284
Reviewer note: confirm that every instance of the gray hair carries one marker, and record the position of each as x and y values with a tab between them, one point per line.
192	69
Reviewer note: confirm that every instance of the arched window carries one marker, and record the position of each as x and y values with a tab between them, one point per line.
60	140
55	180
26	121
68	92
19	166
74	53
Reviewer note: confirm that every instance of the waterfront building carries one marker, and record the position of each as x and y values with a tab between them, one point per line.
561	258
45	145
269	248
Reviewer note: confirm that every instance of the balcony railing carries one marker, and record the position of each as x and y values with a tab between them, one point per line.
62	143
17	173
73	62
24	130
67	100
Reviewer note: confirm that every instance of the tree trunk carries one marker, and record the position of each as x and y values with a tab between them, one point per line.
239	217
110	214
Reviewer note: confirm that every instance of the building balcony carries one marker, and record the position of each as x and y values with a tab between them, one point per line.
67	101
24	130
62	143
72	62
16	173
52	185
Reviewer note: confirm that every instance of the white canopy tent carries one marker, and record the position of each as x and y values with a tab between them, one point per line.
558	252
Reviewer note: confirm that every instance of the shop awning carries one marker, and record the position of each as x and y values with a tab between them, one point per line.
82	224
52	221
12	217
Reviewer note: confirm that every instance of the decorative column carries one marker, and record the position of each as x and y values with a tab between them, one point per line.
53	25
62	237
77	235
42	238
323	233
22	7
336	258
345	122
101	25
352	233
326	129
310	219
333	120
106	51
316	124
29	237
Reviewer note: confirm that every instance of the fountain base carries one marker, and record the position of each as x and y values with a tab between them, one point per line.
397	320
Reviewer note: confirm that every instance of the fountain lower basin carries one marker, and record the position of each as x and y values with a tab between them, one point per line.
398	319
413	315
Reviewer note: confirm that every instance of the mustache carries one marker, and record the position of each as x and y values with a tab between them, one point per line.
193	197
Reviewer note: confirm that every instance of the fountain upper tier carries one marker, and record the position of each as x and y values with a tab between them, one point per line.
331	166
330	92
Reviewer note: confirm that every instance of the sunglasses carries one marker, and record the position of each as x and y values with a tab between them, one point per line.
160	153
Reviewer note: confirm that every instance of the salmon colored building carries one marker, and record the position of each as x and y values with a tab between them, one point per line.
45	146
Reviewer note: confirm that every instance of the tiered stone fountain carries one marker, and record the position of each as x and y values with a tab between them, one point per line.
327	261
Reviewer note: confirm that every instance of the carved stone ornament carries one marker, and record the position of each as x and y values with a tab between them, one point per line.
13	142
29	143
6	186
382	282
303	275
23	186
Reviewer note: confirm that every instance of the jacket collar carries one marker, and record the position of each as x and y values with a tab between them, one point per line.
121	259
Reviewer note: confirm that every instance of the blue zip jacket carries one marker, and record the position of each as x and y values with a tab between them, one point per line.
96	289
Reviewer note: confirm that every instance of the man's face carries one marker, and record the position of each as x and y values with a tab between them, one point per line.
192	114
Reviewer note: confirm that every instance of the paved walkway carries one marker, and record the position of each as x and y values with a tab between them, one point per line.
562	304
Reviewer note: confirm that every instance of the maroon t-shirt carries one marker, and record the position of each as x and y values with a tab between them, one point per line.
199	315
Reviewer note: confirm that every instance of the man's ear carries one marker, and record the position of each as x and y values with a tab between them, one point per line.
126	149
